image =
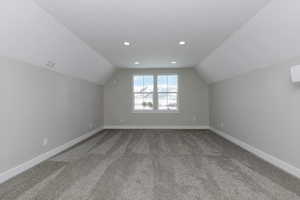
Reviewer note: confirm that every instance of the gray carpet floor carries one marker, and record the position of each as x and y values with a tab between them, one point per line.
153	165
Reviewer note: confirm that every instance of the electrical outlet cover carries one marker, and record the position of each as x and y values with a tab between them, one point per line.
91	126
45	141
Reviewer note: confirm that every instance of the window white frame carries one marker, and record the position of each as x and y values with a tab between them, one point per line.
167	92
134	93
155	94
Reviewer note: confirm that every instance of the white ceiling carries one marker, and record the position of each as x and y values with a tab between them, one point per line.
154	27
84	37
272	36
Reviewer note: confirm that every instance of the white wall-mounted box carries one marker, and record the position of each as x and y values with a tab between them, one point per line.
295	73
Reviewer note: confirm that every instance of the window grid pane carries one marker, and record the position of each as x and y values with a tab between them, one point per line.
162	84
172	83
166	89
143	88
162	101
167	101
172	101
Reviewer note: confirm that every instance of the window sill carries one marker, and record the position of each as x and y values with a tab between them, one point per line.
156	111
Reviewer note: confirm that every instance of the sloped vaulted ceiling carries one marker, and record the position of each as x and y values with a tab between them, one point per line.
272	36
154	27
227	38
29	34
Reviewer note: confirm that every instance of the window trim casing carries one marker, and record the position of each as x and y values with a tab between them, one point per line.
133	93
155	93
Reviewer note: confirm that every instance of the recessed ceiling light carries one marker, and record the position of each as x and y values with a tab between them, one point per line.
126	43
173	62
182	43
136	62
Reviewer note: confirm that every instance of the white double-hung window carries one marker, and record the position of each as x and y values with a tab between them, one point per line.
155	92
167	92
143	90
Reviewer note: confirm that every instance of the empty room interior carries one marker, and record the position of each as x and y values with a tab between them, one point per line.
150	100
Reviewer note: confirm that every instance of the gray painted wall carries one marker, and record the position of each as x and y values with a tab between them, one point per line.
37	103
261	108
193	103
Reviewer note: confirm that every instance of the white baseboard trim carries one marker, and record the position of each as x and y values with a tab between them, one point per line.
37	160
263	155
156	127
